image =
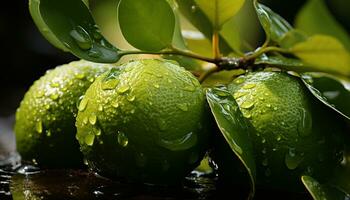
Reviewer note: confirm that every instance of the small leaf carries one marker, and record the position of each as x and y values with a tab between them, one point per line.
219	11
233	127
43	28
147	25
199	20
315	18
274	25
324	53
321	191
330	91
74	27
281	62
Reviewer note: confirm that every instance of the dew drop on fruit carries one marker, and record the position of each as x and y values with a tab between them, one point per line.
93	119
156	85
82	103
39	126
292	159
79	75
89	139
122	139
305	123
98	132
54	84
247	105
122	89
193	8
54	96
110	84
182	106
81	37
189	88
249	86
238	95
115	104
130	98
100	108
48	133
278	138
85	120
239	80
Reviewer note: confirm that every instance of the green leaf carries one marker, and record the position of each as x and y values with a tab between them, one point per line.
74	27
329	90
291	38
233	127
281	62
43	28
219	11
322	191
147	25
315	18
199	20
273	24
324	53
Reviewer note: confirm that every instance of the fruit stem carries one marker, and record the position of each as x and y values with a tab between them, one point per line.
263	50
172	51
215	45
207	73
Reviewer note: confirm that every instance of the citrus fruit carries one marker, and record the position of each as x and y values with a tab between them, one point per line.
144	122
45	129
292	133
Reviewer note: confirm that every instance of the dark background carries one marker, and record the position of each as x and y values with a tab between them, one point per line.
26	55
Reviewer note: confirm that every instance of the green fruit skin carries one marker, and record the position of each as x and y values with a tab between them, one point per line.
45	121
165	139
317	148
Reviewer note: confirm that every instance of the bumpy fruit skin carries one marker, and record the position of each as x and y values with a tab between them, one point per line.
144	122
45	121
292	133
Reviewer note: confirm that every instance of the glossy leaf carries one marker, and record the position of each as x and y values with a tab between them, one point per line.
199	20
219	11
291	38
330	91
34	10
274	25
324	53
321	191
315	18
147	25
74	26
233	127
281	62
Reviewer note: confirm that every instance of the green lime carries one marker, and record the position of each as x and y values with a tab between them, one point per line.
292	133
146	121
45	130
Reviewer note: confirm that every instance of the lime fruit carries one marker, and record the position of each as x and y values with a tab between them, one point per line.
45	129
292	133
146	121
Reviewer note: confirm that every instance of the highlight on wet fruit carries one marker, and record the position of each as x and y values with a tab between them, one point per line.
192	100
146	121
45	121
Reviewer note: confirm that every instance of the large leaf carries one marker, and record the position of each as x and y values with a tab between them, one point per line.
233	127
274	25
329	90
147	25
315	18
43	28
219	11
324	53
72	24
322	191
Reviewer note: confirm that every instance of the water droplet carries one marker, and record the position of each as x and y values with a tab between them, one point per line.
80	75
122	89
265	162
85	120
82	102
292	159
47	106
39	94
238	95
189	88
278	138
122	139
264	151
249	86
275	108
91	79
261	98
110	84
93	119
115	104
177	144
81	37
54	96
48	133
98	132
305	124
263	140
131	98
100	108
247	105
89	139
268	105
156	85
54	84
239	80
193	8
247	115
182	106
39	126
